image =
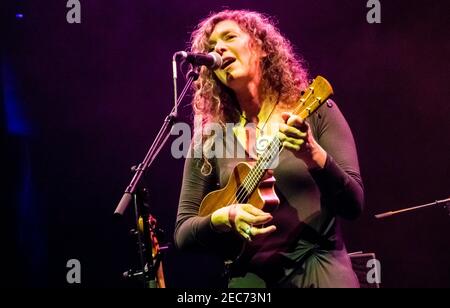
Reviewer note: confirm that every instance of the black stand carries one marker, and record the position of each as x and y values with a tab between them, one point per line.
143	232
139	196
444	202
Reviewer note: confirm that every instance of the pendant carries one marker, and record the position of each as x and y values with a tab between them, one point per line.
262	142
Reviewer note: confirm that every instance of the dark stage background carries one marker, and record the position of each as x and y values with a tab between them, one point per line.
82	102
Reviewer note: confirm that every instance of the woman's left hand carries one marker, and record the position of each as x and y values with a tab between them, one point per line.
296	136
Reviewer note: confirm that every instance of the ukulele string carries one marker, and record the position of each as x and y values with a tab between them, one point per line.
244	190
253	178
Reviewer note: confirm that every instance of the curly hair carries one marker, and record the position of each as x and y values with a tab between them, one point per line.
283	73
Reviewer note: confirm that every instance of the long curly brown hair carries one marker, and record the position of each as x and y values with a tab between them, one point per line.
283	72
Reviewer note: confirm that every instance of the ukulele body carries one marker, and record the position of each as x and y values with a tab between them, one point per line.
263	197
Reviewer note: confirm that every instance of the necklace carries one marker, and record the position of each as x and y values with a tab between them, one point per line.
261	130
262	141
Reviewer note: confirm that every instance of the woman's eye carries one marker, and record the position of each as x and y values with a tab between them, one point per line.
230	37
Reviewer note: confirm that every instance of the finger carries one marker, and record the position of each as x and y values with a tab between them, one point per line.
285	116
296	121
245	236
293	141
283	138
254	210
248	218
292	131
245	232
291	147
266	230
262	220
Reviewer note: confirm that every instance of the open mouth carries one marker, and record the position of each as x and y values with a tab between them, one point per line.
227	62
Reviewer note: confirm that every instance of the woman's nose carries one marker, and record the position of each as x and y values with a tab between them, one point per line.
220	47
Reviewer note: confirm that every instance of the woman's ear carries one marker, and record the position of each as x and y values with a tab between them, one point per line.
260	44
263	54
256	45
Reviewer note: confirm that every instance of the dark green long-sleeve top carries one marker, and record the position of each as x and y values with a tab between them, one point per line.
307	249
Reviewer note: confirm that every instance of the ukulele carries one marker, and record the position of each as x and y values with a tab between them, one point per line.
253	182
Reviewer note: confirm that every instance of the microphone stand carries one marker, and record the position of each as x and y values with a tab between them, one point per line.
133	193
444	202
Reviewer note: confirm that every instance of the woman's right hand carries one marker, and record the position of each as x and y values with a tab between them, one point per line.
242	218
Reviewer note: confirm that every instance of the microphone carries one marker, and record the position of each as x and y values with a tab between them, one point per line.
211	60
